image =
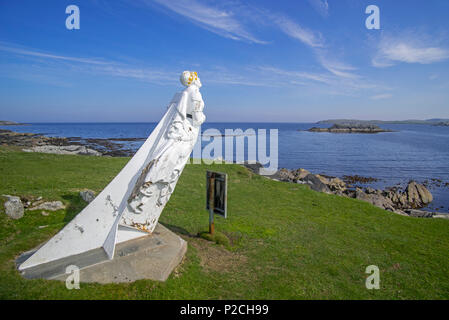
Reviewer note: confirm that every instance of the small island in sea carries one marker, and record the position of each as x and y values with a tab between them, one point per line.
442	124
435	121
10	123
351	128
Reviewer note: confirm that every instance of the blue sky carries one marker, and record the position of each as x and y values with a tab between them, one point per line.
286	61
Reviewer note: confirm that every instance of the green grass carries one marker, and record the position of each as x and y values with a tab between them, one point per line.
286	241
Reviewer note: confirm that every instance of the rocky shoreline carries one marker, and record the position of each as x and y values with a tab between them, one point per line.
407	203
31	142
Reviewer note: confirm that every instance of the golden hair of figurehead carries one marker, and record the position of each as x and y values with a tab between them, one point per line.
188	77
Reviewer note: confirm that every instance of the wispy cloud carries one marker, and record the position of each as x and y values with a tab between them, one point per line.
331	83
235	21
321	6
408	49
57	66
294	30
39	54
56	69
381	96
336	67
219	21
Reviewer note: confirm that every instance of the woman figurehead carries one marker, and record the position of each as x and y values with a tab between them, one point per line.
189	78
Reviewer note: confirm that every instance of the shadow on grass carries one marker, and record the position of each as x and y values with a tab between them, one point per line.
74	205
177	229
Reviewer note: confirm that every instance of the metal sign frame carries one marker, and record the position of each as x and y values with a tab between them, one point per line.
219	193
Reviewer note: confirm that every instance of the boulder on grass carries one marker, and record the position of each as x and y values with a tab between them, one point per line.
419	213
13	207
374	199
316	184
87	195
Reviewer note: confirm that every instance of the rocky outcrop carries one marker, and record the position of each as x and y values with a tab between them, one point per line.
71	145
350	128
442	124
13	207
375	199
70	149
415	195
49	205
10	123
419	213
336	184
316	183
87	195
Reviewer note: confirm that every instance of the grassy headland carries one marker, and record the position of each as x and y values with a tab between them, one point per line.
286	241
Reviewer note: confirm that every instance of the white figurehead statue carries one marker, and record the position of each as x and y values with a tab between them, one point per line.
130	205
159	178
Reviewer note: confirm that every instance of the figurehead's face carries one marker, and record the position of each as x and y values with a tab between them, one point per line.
189	78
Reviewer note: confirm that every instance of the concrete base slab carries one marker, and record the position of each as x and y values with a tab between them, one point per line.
151	257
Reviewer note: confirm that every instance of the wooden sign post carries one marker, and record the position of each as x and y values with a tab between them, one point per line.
216	196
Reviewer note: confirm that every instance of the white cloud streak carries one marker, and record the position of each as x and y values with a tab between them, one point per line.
56	69
221	22
408	49
382	96
294	30
25	52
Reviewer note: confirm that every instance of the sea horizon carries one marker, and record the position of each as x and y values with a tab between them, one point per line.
412	152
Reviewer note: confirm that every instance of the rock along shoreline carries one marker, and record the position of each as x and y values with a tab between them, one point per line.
32	142
407	203
415	196
351	128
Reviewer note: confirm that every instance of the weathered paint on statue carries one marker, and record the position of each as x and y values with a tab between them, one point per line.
158	179
133	201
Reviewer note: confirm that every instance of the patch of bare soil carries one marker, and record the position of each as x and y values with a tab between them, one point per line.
216	257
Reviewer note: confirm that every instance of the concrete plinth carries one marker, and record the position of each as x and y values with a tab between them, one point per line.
151	257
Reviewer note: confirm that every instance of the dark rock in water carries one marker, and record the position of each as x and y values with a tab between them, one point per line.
417	195
350	128
359	179
10	123
336	184
316	184
442	124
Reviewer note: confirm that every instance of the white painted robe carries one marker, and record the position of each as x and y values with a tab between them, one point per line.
133	201
158	179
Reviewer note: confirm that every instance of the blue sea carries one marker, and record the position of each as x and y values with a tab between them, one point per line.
418	152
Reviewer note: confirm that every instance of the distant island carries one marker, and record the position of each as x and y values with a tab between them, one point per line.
377	122
350	128
442	124
10	123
